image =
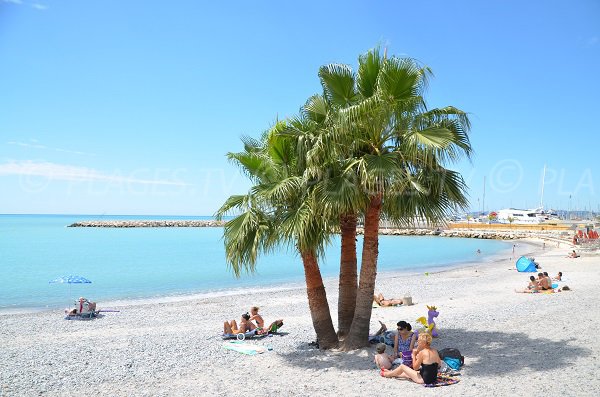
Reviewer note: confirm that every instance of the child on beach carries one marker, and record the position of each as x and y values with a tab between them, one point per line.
382	359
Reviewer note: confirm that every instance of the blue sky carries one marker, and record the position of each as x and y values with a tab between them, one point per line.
129	107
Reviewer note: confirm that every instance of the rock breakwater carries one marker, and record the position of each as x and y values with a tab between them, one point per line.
150	223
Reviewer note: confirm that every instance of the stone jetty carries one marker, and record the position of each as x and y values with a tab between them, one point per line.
149	223
552	235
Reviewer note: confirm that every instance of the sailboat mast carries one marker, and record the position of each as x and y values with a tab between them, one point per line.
483	201
543	181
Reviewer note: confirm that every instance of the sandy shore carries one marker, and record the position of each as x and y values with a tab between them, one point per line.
514	344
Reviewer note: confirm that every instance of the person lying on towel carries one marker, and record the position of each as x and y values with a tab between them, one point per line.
381	301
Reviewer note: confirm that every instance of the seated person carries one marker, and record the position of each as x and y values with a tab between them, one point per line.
382	359
426	362
231	327
573	254
260	322
71	313
383	336
558	276
85	306
543	282
404	342
381	301
532	287
548	279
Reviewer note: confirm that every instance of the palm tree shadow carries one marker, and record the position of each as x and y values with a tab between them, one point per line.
494	353
487	353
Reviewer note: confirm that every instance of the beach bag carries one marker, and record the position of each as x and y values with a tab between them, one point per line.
453	363
451	352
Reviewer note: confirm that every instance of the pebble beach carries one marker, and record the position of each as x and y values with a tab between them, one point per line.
513	343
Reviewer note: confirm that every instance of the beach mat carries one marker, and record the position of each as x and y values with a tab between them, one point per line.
244	348
443	380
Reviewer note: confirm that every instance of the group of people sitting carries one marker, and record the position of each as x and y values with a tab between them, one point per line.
543	282
418	361
251	321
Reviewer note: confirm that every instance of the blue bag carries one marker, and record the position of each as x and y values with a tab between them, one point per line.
453	363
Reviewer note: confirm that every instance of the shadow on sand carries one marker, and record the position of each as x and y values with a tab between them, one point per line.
487	353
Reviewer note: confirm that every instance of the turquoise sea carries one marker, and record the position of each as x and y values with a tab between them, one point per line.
149	263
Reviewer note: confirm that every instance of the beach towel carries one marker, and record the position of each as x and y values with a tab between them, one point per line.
377	305
247	335
443	380
244	348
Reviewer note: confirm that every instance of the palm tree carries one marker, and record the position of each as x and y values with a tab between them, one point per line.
395	143
280	209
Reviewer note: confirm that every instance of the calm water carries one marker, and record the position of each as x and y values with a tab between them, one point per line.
140	263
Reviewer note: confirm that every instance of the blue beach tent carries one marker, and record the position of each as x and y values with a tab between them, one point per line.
525	265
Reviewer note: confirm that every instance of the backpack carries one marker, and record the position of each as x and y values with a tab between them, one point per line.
451	352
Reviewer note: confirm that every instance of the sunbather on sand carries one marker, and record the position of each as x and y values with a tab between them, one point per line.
558	276
71	312
381	301
426	362
260	322
532	287
86	306
231	327
543	283
573	254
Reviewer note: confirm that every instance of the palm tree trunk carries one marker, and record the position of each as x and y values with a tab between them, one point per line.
359	332
317	302
348	274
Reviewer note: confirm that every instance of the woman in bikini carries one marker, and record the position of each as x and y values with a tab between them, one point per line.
231	327
260	322
381	301
426	362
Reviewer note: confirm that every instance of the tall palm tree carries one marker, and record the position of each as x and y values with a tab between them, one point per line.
392	147
279	210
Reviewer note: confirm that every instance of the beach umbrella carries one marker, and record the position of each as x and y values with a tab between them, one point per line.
70	279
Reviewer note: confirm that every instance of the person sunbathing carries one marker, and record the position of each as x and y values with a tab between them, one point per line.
558	276
573	254
71	312
231	327
426	362
381	301
260	322
532	287
543	282
86	306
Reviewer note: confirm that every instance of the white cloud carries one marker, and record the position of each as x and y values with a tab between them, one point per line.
35	145
13	1
39	6
54	171
592	41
